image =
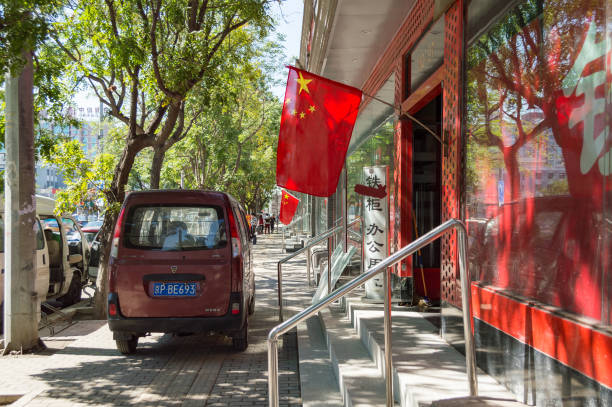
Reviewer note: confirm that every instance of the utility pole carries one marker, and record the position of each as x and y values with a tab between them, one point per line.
20	300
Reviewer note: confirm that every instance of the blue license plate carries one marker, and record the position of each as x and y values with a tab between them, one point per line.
174	289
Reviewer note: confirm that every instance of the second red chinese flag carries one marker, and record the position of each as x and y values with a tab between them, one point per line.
289	204
316	126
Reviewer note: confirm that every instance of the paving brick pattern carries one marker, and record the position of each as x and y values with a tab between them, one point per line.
196	370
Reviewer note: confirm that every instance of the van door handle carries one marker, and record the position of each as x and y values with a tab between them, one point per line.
43	259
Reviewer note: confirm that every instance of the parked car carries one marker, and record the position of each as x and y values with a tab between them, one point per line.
180	262
61	258
91	229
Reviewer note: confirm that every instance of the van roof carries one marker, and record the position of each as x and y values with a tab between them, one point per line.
44	205
177	196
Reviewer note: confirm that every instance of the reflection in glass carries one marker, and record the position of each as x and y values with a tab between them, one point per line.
538	155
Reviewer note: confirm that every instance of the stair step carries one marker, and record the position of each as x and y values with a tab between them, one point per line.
318	384
425	367
360	378
476	402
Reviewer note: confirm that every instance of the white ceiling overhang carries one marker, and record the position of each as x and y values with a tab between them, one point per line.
348	38
343	40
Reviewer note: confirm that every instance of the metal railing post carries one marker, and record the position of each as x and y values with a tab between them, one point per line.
383	266
470	349
308	260
388	350
280	291
363	242
315	240
283	246
329	264
273	372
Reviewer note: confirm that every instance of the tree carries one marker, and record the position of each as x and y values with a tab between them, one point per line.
85	180
231	146
26	26
143	60
22	28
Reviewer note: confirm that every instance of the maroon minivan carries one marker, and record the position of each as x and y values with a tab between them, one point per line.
180	263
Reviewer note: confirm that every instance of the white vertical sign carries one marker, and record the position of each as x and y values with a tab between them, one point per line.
376	226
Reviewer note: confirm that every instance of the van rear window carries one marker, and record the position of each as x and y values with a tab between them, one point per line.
175	228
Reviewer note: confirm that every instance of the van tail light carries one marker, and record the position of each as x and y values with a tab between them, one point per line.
235	308
112	309
234	234
113	306
236	249
115	245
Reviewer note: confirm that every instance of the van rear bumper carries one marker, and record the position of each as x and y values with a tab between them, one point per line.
227	323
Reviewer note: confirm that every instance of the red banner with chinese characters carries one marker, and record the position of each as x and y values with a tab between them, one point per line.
316	126
288	206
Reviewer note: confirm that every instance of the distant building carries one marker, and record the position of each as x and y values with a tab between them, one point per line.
90	135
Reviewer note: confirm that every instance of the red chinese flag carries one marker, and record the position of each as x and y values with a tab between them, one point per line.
316	126
289	204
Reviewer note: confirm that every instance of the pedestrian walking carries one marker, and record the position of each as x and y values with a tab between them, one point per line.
260	224
253	226
272	221
267	223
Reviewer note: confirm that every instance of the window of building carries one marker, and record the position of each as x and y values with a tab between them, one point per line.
536	88
427	55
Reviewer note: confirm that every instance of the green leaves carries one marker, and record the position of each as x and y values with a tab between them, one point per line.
23	26
85	181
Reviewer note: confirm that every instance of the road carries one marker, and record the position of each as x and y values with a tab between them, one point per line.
83	366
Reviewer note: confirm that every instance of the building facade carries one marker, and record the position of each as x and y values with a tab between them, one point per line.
518	97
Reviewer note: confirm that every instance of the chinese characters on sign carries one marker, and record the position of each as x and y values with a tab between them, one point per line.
376	225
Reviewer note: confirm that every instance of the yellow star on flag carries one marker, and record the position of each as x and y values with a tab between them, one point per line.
302	115
312	109
294	112
288	100
303	83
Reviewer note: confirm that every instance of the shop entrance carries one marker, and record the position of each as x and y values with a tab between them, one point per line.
426	197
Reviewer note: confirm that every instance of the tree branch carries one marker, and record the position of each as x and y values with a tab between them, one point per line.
155	56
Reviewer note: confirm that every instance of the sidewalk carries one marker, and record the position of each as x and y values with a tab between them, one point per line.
194	370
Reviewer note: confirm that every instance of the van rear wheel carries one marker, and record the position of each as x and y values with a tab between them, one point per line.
240	340
251	306
127	346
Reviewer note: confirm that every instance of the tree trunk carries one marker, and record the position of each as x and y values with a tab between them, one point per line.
169	135
114	196
20	302
514	175
156	166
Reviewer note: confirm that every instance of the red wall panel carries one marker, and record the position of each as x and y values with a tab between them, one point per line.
451	136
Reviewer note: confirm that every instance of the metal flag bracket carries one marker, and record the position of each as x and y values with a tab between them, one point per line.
405	115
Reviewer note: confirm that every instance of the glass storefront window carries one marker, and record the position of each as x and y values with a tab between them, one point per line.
539	157
377	150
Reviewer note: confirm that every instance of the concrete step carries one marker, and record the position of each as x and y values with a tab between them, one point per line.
348	340
317	380
426	369
360	379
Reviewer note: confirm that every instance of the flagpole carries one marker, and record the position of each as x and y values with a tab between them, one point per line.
401	114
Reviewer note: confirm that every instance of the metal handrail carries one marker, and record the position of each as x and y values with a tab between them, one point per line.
312	242
404	252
